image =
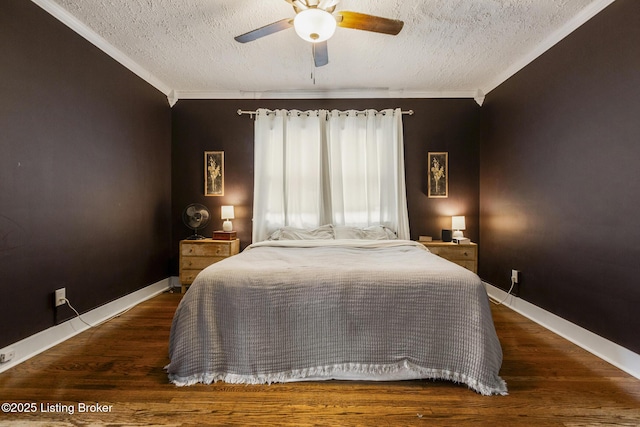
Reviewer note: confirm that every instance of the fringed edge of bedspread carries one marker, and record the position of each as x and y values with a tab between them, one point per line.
326	372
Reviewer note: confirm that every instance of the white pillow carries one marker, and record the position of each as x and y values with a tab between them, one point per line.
374	232
343	232
324	232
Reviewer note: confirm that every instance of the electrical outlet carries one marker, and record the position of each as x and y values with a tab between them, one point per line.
515	276
7	354
61	297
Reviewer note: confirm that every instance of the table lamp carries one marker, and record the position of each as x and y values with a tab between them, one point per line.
227	214
457	223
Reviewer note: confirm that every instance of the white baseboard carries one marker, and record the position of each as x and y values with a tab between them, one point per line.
606	350
37	343
611	352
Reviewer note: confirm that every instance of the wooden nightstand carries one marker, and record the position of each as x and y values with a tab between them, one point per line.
464	255
196	255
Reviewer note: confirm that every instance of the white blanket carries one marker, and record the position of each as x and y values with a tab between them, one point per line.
294	310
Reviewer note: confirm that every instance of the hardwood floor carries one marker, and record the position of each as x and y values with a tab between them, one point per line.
120	365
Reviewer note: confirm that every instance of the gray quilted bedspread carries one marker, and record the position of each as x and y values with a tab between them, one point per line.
292	310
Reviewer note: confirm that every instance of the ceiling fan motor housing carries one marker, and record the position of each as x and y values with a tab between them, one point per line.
315	25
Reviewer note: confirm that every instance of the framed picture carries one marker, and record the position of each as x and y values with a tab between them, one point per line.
438	175
214	173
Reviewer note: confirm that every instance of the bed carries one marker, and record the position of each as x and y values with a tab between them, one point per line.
331	308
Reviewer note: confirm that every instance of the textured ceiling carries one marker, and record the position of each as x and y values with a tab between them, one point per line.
447	47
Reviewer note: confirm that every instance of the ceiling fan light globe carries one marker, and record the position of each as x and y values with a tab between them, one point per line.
315	25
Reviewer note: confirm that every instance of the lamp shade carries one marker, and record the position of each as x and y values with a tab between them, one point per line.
227	212
457	222
314	25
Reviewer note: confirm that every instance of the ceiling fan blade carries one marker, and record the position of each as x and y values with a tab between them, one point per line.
361	21
280	25
320	54
326	4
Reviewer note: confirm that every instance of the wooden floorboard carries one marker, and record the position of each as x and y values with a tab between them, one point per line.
119	364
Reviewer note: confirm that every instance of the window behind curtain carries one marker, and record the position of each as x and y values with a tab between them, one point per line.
315	167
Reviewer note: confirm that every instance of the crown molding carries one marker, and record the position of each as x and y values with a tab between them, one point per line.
322	94
174	96
585	15
92	37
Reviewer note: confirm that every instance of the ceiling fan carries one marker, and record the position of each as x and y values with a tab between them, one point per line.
316	23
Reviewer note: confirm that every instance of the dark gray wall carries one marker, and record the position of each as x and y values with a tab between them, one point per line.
560	178
450	125
84	174
88	157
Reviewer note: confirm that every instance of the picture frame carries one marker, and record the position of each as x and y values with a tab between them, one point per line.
438	167
214	173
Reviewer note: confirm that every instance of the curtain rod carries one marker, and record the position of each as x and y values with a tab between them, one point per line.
253	113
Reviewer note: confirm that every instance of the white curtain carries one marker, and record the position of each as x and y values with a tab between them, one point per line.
315	167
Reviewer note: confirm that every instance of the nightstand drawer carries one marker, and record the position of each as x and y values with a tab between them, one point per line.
210	249
463	255
469	265
458	253
198	262
188	276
